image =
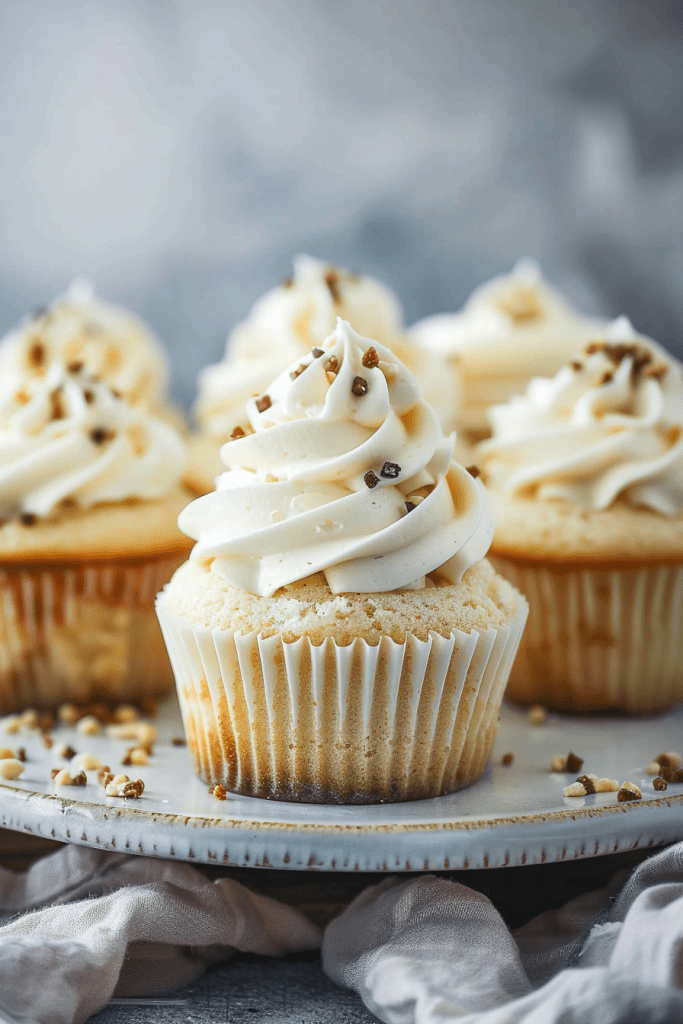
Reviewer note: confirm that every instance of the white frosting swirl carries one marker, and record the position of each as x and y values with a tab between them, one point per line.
67	436
322	484
609	425
113	344
289	320
285	324
510	329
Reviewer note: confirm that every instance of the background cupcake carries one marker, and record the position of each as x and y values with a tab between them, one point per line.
510	329
284	325
112	344
336	635
586	476
89	495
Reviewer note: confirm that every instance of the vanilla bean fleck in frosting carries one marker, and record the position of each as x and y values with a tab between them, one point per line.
609	425
67	439
355	481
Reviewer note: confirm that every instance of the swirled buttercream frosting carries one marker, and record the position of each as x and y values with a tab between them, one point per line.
111	342
341	467
607	426
511	328
288	321
67	439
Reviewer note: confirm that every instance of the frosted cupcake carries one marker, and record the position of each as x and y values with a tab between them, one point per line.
89	495
511	329
110	342
336	635
283	326
586	476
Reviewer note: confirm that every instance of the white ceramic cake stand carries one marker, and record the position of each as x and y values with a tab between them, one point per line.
514	815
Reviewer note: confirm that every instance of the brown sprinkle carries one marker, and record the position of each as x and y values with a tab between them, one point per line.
133	789
332	282
370	358
317	353
576	365
659	783
607	378
371	479
263	403
21	754
390	470
28	518
178	741
507	758
331	364
67	752
299	370
47	741
677	775
410	505
89	396
81	779
219	792
672	759
359	386
237	432
629	791
74	367
36	354
57	408
55	772
99	435
574	762
474	471
587	783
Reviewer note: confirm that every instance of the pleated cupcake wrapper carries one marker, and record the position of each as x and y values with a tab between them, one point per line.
599	639
74	632
339	724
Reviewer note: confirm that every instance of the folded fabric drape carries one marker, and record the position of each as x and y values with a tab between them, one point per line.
429	950
105	924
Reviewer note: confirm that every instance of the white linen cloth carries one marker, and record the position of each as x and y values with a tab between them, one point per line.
108	923
430	951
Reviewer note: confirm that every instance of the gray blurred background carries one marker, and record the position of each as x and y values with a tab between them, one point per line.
181	152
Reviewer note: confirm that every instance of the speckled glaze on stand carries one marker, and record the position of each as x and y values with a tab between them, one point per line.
513	815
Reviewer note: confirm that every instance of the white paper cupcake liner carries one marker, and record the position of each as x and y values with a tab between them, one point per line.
339	724
79	632
599	639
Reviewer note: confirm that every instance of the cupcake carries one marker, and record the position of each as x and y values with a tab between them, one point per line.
89	495
282	327
511	329
111	343
337	635
586	476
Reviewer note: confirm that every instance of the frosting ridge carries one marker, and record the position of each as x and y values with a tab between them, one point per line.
607	426
66	437
340	467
